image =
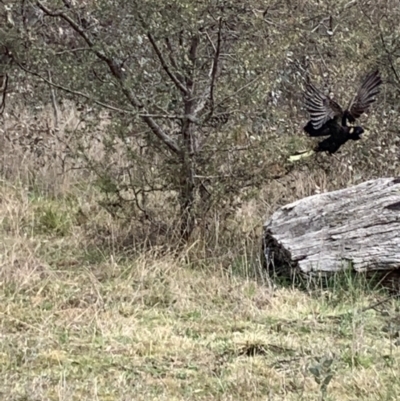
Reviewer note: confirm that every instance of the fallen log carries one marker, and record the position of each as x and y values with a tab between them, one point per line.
356	228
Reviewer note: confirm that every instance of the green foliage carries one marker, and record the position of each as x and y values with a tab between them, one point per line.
51	220
323	374
189	104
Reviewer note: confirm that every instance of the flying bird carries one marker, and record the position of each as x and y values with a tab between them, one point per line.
329	119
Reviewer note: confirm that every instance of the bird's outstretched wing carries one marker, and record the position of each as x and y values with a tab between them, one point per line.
320	107
365	96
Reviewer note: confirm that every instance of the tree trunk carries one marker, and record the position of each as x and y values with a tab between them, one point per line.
186	199
188	187
356	227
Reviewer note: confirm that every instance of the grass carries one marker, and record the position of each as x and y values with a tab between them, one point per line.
82	319
82	322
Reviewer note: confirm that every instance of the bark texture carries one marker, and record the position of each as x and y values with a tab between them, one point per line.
356	227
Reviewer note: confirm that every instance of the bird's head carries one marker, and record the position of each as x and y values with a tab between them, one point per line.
355	132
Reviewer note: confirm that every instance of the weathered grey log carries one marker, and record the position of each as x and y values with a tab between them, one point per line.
356	227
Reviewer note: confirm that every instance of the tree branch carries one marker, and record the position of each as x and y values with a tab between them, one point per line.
3	92
259	76
117	72
178	83
72	91
54	101
192	57
215	65
210	89
164	65
171	53
389	56
172	59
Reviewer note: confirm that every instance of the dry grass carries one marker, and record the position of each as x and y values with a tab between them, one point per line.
82	322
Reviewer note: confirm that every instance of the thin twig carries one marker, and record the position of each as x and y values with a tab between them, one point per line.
53	101
88	97
374	305
72	91
78	49
241	88
118	74
389	56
